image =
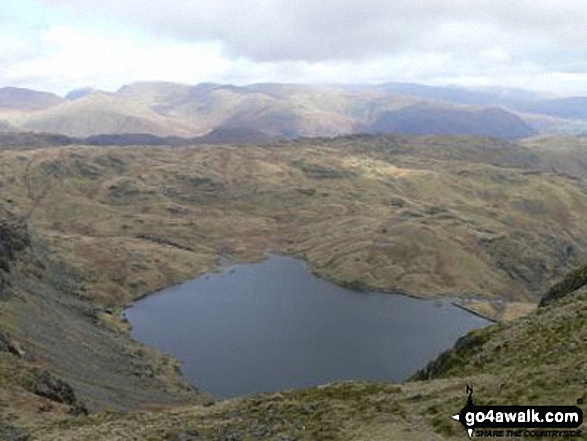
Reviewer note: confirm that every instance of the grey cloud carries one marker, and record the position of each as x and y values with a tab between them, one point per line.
348	29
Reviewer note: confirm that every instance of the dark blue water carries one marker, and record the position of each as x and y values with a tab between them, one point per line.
274	325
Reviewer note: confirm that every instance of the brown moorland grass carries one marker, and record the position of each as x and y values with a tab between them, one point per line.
389	213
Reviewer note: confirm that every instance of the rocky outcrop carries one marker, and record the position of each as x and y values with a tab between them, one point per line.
55	389
572	282
9	345
449	360
14	238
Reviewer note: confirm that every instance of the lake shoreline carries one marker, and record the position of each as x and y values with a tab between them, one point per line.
274	325
227	263
472	311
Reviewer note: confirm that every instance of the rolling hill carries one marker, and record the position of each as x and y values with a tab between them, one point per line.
18	99
428	120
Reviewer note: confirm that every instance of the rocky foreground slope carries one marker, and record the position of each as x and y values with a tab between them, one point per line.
55	359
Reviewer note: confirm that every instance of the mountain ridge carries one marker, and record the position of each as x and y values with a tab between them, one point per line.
282	110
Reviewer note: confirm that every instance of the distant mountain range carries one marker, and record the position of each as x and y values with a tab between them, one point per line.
267	111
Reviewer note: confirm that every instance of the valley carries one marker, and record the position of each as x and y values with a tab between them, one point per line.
88	229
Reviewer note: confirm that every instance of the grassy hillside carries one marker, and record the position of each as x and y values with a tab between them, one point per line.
564	155
101	113
84	230
426	216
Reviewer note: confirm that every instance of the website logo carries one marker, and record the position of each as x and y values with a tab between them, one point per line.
519	421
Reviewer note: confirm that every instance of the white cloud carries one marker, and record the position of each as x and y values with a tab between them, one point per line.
74	43
72	57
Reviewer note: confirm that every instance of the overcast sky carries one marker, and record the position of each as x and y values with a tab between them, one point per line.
59	45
